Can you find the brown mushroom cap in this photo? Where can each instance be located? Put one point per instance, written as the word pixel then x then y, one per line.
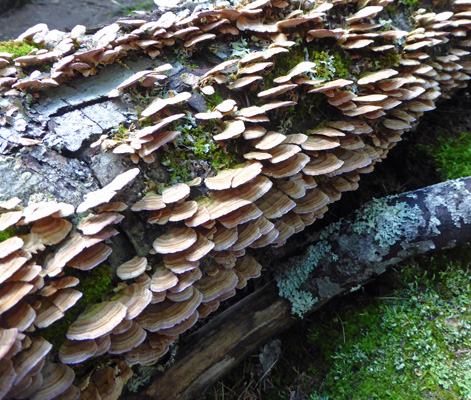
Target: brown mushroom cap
pixel 77 351
pixel 65 298
pixel 47 314
pixel 249 267
pixel 9 246
pixel 11 293
pixel 212 287
pixel 301 68
pixel 288 167
pixel 126 341
pixel 91 257
pixel 175 193
pixel 186 279
pixel 144 354
pixel 25 361
pixel 8 376
pixel 176 240
pixel 135 298
pixel 132 268
pixel 240 216
pixel 14 201
pixel 9 219
pixel 93 224
pixel 199 249
pixel 51 230
pixel 105 194
pixel 314 200
pixel 377 76
pixel 20 317
pixel 182 326
pixel 270 140
pixel 275 204
pixel 12 263
pixel 159 103
pixel 231 130
pixel 163 279
pixel 167 314
pixel 7 339
pixel 183 295
pixel 56 379
pixel 178 263
pixel 97 320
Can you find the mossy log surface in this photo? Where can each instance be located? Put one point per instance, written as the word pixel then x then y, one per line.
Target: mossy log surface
pixel 443 215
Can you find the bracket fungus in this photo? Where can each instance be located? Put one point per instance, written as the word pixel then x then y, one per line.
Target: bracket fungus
pixel 204 236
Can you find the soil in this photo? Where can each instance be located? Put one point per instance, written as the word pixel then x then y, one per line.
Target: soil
pixel 63 15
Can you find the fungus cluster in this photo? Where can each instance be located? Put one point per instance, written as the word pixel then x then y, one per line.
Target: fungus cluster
pixel 36 291
pixel 212 224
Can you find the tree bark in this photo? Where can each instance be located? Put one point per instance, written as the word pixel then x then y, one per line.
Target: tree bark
pixel 442 215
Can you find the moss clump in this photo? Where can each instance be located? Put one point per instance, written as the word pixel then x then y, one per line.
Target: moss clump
pixel 18 49
pixel 7 233
pixel 412 344
pixel 195 152
pixel 120 133
pixel 410 5
pixel 452 153
pixel 330 66
pixel 95 286
pixel 213 100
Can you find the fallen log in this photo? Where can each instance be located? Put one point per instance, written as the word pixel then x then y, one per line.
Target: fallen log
pixel 383 233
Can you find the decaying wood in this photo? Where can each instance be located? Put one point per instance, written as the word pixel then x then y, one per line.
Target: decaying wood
pixel 443 221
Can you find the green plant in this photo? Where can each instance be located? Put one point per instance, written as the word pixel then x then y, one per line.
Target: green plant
pixel 410 5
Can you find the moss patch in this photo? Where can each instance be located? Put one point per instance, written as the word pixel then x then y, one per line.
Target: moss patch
pixel 412 345
pixel 452 153
pixel 95 286
pixel 195 153
pixel 18 49
pixel 7 233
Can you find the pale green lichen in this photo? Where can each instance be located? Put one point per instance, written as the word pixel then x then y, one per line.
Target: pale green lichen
pixel 290 282
pixel 388 222
pixel 439 199
pixel 377 226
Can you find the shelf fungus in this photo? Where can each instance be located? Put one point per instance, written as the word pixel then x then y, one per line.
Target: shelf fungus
pixel 260 164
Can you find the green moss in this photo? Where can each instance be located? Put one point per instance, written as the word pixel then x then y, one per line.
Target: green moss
pixel 18 49
pixel 452 153
pixel 410 345
pixel 7 233
pixel 120 133
pixel 95 285
pixel 330 66
pixel 410 5
pixel 195 152
pixel 213 100
pixel 386 60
